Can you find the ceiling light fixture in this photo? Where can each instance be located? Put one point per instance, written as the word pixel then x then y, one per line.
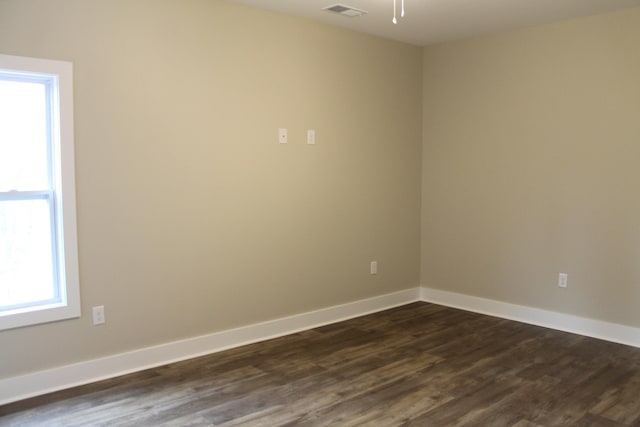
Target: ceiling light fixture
pixel 394 20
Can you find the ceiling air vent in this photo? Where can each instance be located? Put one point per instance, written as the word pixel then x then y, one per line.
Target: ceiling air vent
pixel 344 10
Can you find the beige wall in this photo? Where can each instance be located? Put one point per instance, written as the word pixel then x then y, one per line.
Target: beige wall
pixel 191 217
pixel 531 166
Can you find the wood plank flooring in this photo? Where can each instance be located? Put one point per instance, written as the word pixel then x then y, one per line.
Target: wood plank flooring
pixel 416 365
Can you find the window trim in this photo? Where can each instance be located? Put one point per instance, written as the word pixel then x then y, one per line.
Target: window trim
pixel 63 179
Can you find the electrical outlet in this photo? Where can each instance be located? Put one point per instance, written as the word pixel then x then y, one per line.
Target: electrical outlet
pixel 311 136
pixel 373 268
pixel 282 135
pixel 98 315
pixel 563 278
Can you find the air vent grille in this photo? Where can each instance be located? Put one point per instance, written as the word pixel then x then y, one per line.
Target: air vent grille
pixel 345 10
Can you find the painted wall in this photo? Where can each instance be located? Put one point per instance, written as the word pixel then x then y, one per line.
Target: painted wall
pixel 531 167
pixel 191 217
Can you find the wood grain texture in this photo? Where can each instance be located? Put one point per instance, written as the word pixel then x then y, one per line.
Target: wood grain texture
pixel 416 365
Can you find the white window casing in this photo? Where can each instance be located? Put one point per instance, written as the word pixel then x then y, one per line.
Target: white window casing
pixel 57 78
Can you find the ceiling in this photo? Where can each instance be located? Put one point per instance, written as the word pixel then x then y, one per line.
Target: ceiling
pixel 433 21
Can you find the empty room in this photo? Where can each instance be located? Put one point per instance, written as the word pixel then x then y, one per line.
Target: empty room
pixel 309 213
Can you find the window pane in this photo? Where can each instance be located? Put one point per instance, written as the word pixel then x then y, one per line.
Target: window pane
pixel 26 267
pixel 23 136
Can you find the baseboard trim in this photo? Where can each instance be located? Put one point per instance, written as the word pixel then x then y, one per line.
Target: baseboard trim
pixel 42 382
pixel 37 383
pixel 563 322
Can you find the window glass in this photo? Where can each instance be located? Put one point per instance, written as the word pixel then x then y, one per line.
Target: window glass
pixel 26 262
pixel 23 136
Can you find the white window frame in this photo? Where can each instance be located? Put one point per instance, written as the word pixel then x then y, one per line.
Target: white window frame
pixel 58 76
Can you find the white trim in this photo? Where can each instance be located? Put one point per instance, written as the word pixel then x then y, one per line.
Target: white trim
pixel 58 77
pixel 550 319
pixel 41 382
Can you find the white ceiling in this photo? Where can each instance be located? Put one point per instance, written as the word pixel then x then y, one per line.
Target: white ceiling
pixel 432 21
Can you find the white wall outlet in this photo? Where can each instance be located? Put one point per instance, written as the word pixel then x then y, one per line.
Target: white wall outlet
pixel 98 315
pixel 373 268
pixel 311 136
pixel 282 135
pixel 563 279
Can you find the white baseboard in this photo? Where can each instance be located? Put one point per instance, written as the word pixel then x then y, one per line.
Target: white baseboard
pixel 563 322
pixel 42 382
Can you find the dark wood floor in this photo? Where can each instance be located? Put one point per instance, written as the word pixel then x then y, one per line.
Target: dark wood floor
pixel 420 365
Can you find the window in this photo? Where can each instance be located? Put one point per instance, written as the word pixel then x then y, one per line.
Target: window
pixel 38 244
